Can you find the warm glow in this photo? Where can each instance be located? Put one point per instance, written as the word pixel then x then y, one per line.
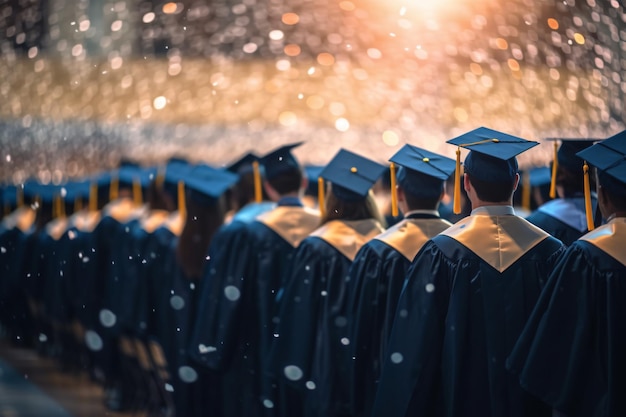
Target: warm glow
pixel 325 59
pixel 170 8
pixel 347 6
pixel 290 18
pixel 579 38
pixel 553 24
pixel 292 49
pixel 502 43
pixel 287 118
pixel 390 138
pixel 513 64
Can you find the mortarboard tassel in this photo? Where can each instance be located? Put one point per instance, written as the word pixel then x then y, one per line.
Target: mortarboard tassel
pixel 61 206
pixel 55 207
pixel 182 207
pixel 160 178
pixel 457 183
pixel 258 194
pixel 526 191
pixel 78 204
pixel 394 192
pixel 20 196
pixel 320 196
pixel 93 197
pixel 587 188
pixel 137 196
pixel 114 188
pixel 555 165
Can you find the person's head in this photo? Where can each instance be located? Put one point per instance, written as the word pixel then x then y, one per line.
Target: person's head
pixel 283 173
pixel 204 211
pixel 609 159
pixel 491 170
pixel 351 178
pixel 421 178
pixel 569 178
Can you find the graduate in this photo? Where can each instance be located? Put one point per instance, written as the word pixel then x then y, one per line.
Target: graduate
pixel 378 271
pixel 239 327
pixel 572 353
pixel 564 217
pixel 468 294
pixel 174 286
pixel 311 345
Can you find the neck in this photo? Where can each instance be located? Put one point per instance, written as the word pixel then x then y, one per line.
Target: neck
pixel 616 215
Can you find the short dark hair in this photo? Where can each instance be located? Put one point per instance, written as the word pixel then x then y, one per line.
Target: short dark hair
pixel 287 182
pixel 616 191
pixel 493 192
pixel 420 203
pixel 338 209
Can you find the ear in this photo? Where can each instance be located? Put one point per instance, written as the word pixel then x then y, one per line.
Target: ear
pixel 517 177
pixel 467 185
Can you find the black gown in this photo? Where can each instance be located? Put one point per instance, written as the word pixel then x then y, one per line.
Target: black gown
pixel 235 338
pixel 572 353
pixel 311 348
pixel 563 218
pixel 376 279
pixel 466 300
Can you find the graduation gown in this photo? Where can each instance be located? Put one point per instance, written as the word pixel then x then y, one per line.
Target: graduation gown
pixel 563 218
pixel 376 279
pixel 572 353
pixel 467 296
pixel 240 330
pixel 311 350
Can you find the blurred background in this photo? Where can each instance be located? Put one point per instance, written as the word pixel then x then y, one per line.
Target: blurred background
pixel 86 83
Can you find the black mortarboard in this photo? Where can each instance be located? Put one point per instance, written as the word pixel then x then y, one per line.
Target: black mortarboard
pixel 567 150
pixel 243 164
pixel 609 158
pixel 491 158
pixel 422 173
pixel 279 161
pixel 312 173
pixel 492 153
pixel 207 184
pixel 351 175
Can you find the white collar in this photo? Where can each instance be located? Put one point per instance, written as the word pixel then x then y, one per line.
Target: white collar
pixel 503 210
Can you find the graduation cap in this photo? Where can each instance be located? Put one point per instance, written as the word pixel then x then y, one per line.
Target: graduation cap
pixel 609 158
pixel 246 164
pixel 351 175
pixel 205 183
pixel 491 158
pixel 422 173
pixel 565 156
pixel 312 173
pixel 279 161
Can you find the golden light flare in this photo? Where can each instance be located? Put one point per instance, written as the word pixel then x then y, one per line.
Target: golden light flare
pixel 579 38
pixel 290 18
pixel 315 102
pixel 476 68
pixel 502 43
pixel 390 138
pixel 513 64
pixel 287 118
pixel 325 59
pixel 170 8
pixel 553 24
pixel 348 6
pixel 292 49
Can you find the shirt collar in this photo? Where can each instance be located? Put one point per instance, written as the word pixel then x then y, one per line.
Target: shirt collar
pixel 411 213
pixel 494 211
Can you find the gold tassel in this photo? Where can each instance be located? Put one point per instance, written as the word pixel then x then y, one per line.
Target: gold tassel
pixel 182 207
pixel 78 204
pixel 20 196
pixel 526 191
pixel 587 188
pixel 93 197
pixel 258 193
pixel 137 196
pixel 320 196
pixel 160 178
pixel 394 192
pixel 555 165
pixel 114 188
pixel 61 206
pixel 456 209
pixel 55 207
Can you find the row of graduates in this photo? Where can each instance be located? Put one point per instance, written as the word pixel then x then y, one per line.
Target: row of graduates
pixel 284 317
